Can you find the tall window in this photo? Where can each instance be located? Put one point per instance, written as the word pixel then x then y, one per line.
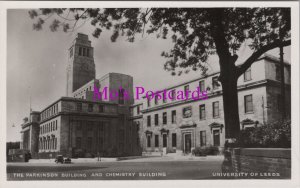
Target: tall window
pixel 248 103
pixel 138 110
pixel 165 118
pixel 80 51
pixel 89 142
pixel 215 82
pixel 101 108
pixel 156 99
pixel 202 85
pixel 90 125
pixel 55 143
pixel 186 91
pixel 173 116
pixel 148 141
pixel 78 142
pixel 156 119
pixel 148 102
pixel 202 111
pixel 277 72
pixel 79 107
pixel 148 121
pixel 174 141
pixel 87 52
pixel 78 126
pixel 90 107
pixel 121 135
pixel 173 93
pixel 216 109
pixel 247 75
pixel 121 96
pixel 101 123
pixel 84 51
pixel 202 138
pixel 164 97
pixel 156 141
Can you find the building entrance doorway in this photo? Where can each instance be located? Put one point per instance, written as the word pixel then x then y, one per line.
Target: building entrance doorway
pixel 187 143
pixel 164 140
pixel 216 135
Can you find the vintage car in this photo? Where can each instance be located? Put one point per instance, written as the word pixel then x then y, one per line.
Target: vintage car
pixel 61 159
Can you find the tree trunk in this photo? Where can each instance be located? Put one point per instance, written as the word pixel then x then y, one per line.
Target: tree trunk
pixel 230 102
pixel 228 74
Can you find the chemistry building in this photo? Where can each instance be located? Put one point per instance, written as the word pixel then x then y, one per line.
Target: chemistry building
pixel 182 125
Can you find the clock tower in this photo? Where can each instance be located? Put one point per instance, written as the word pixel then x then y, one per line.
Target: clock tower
pixel 81 66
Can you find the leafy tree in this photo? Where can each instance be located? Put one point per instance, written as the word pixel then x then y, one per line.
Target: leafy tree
pixel 197 33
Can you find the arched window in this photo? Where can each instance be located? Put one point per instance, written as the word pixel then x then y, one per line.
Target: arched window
pixel 80 51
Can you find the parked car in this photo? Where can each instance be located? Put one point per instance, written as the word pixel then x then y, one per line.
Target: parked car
pixel 61 159
pixel 67 160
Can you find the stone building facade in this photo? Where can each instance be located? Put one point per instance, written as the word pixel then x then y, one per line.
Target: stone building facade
pixel 30 132
pixel 182 125
pixel 84 128
pixel 80 125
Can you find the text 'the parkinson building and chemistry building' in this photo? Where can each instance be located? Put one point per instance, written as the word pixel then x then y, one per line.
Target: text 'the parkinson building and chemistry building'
pixel 79 126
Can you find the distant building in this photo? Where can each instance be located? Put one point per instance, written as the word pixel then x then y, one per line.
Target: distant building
pixel 182 125
pixel 78 125
pixel 11 146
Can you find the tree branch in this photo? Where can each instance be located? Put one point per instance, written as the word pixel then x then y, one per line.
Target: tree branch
pixel 242 68
pixel 78 19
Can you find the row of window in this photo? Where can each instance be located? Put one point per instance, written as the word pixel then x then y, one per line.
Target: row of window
pixel 215 85
pixel 187 112
pixel 164 137
pixel 48 127
pixel 49 112
pixel 90 107
pixel 186 89
pixel 216 139
pixel 83 51
pixel 82 91
pixel 48 144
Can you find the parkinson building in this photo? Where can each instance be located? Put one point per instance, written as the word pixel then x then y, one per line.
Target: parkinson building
pixel 182 125
pixel 77 125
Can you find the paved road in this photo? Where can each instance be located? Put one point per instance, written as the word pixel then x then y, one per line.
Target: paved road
pixel 115 170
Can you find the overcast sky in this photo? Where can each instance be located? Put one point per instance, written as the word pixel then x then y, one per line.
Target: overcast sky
pixel 37 60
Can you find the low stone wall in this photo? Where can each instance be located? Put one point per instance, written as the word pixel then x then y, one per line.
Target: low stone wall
pixel 266 162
